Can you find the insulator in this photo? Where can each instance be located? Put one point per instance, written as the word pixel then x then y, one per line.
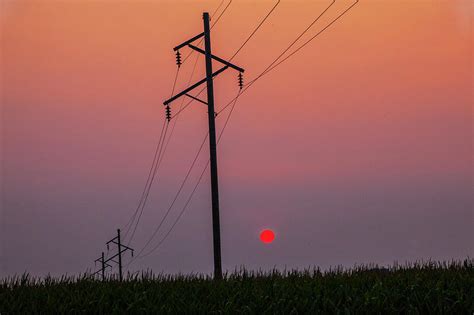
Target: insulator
pixel 241 80
pixel 132 253
pixel 168 113
pixel 178 58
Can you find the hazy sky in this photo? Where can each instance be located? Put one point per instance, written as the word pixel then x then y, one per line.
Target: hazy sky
pixel 357 149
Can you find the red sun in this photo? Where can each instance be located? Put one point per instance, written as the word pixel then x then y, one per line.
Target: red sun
pixel 267 236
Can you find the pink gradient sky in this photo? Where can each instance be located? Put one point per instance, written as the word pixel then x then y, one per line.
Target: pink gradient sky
pixel 357 149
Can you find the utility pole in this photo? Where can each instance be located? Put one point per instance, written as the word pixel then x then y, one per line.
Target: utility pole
pixel 212 127
pixel 103 265
pixel 120 250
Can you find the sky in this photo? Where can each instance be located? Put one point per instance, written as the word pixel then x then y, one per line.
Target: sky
pixel 356 150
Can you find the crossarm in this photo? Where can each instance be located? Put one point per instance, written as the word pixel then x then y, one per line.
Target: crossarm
pixel 217 58
pixel 193 86
pixel 188 41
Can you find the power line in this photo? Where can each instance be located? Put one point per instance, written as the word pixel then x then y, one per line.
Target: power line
pixel 194 189
pixel 132 218
pixel 182 102
pixel 308 41
pixel 154 167
pixel 217 9
pixel 274 64
pixel 212 26
pixel 235 54
pixel 255 30
pixel 222 13
pixel 139 255
pixel 175 197
pixel 175 120
pixel 149 187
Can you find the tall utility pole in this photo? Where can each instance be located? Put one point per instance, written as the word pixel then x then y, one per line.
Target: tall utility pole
pixel 212 126
pixel 216 230
pixel 120 250
pixel 103 265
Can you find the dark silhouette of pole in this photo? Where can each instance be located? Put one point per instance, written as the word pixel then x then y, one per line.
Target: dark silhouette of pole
pixel 216 232
pixel 120 250
pixel 119 247
pixel 212 126
pixel 103 266
pixel 102 260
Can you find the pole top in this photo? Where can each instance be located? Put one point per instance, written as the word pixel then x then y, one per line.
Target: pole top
pixel 205 14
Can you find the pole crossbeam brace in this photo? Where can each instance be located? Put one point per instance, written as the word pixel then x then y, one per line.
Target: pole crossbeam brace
pixel 217 58
pixel 195 98
pixel 195 85
pixel 112 240
pixel 107 265
pixel 117 255
pixel 100 260
pixel 188 41
pixel 121 245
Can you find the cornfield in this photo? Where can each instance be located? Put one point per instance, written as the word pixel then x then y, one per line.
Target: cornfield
pixel 430 287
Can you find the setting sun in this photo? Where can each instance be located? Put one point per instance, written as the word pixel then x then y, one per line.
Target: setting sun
pixel 267 236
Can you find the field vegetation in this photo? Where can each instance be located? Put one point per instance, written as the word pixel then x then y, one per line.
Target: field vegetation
pixel 428 288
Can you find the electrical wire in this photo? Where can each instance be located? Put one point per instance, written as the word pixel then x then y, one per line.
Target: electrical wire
pixel 192 192
pixel 255 30
pixel 212 26
pixel 309 40
pixel 275 63
pixel 155 166
pixel 154 161
pixel 236 52
pixel 148 191
pixel 132 218
pixel 182 102
pixel 217 9
pixel 175 120
pixel 175 197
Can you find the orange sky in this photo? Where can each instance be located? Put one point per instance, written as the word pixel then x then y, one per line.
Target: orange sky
pixel 382 99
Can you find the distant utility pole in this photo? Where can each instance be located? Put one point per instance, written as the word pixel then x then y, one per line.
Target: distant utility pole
pixel 120 249
pixel 103 265
pixel 212 126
